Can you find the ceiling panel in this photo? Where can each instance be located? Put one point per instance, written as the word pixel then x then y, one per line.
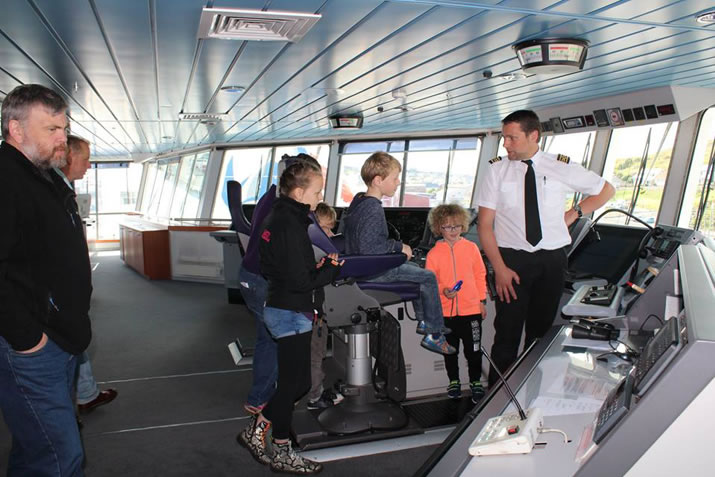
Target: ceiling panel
pixel 129 68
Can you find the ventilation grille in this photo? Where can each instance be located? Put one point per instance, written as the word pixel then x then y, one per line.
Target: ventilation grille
pixel 212 117
pixel 254 25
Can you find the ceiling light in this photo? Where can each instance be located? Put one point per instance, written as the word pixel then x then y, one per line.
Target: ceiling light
pixel 256 25
pixel 706 18
pixel 346 121
pixel 512 76
pixel 551 56
pixel 233 89
pixel 203 116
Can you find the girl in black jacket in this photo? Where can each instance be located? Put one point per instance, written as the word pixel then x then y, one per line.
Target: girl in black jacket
pixel 295 298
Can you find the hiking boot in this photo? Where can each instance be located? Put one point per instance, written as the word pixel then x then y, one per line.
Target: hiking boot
pixel 255 438
pixel 454 390
pixel 437 345
pixel 477 391
pixel 422 329
pixel 286 460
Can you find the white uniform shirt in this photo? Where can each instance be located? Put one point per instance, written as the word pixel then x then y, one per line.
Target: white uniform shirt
pixel 502 190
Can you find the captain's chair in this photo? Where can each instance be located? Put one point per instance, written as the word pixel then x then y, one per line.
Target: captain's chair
pixel 239 222
pixel 354 304
pixel 263 208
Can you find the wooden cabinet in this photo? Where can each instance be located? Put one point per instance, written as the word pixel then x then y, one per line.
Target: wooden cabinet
pixel 144 246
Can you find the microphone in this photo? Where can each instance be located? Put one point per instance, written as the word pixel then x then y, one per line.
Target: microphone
pixel 513 433
pixel 522 414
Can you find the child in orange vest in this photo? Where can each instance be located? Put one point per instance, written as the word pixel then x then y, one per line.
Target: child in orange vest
pixel 456 260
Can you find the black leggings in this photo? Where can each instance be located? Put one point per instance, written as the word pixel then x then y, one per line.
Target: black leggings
pixel 468 329
pixel 293 382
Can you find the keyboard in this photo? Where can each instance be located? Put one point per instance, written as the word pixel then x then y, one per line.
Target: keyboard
pixel 616 405
pixel 658 352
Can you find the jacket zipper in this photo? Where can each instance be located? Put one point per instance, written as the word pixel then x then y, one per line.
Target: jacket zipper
pixel 454 274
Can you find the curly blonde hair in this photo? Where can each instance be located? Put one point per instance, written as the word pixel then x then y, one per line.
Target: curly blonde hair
pixel 439 215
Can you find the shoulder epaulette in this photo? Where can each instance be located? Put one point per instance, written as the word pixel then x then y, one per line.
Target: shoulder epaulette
pixel 562 158
pixel 496 159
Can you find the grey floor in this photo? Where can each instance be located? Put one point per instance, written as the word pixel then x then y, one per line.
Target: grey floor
pixel 162 345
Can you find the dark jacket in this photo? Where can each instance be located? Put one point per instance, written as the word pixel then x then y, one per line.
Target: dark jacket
pixel 45 276
pixel 366 228
pixel 288 261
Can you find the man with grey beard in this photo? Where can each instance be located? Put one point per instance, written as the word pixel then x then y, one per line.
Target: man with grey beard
pixel 45 287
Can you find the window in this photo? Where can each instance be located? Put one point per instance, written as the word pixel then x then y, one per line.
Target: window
pixel 698 207
pixel 167 192
pixel 114 188
pixel 250 167
pixel 148 185
pixel 320 152
pixel 153 205
pixel 637 165
pixel 426 175
pixel 578 146
pixel 463 172
pixel 182 185
pixel 196 186
pixel 352 157
pixel 435 171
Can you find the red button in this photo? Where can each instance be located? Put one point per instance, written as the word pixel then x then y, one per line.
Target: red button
pixel 512 430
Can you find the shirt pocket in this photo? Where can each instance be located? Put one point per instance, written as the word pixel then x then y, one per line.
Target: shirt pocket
pixel 508 194
pixel 554 195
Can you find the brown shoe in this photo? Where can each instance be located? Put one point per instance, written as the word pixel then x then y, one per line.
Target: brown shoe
pixel 104 397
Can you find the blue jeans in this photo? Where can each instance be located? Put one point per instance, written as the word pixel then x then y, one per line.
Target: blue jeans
pixel 36 399
pixel 254 289
pixel 87 390
pixel 428 307
pixel 282 323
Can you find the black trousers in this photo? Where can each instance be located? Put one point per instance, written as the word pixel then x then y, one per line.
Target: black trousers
pixel 468 330
pixel 542 275
pixel 293 382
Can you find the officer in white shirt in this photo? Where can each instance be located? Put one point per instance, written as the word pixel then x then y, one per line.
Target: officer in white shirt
pixel 523 230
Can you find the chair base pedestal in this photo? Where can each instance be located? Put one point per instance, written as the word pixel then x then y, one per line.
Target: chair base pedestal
pixel 361 413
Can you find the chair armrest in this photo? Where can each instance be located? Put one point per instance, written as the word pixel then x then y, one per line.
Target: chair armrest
pixel 360 266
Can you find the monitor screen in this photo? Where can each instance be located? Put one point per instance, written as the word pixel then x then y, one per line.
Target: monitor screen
pixel 409 222
pixel 607 252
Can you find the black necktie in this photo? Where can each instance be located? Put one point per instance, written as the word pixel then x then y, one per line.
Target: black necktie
pixel 531 206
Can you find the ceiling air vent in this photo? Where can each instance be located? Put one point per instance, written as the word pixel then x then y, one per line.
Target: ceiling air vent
pixel 202 116
pixel 256 25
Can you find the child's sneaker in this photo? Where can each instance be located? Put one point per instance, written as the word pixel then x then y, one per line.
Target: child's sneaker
pixel 334 396
pixel 477 391
pixel 454 390
pixel 422 329
pixel 437 345
pixel 324 401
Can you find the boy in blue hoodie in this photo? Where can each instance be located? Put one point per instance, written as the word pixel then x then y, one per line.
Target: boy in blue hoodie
pixel 366 234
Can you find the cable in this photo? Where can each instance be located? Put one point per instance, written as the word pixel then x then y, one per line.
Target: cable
pixel 652 315
pixel 615 348
pixel 544 430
